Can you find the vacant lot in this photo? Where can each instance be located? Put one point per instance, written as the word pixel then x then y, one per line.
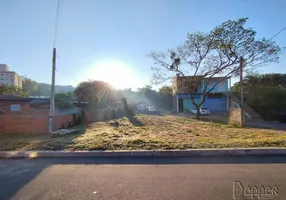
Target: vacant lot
pixel 149 132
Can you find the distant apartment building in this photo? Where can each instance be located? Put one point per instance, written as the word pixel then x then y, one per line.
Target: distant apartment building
pixel 9 77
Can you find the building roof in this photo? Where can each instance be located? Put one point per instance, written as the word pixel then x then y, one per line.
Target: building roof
pixel 38 102
pixel 5 72
pixel 215 77
pixel 12 98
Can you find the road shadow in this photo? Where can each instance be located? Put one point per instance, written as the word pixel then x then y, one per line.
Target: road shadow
pixel 16 173
pixel 164 160
pixel 175 160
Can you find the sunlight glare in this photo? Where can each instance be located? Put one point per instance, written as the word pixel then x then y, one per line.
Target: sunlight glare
pixel 116 73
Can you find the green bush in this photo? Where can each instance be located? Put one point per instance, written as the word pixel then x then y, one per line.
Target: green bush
pixel 63 104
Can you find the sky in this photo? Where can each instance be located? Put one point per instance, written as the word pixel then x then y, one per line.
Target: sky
pixel 109 40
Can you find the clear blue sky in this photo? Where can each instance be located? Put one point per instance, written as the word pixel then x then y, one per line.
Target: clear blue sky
pixel 97 34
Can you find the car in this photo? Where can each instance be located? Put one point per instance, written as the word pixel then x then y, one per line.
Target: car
pixel 142 108
pixel 203 111
pixel 151 109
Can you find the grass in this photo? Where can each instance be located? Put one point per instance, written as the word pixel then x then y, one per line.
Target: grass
pixel 154 132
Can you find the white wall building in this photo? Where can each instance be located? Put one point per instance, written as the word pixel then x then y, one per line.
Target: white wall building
pixel 9 77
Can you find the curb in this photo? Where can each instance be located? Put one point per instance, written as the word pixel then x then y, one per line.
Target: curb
pixel 145 153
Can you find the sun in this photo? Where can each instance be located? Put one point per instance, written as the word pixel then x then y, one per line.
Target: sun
pixel 116 73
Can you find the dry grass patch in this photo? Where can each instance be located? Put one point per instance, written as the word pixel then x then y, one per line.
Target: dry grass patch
pixel 156 132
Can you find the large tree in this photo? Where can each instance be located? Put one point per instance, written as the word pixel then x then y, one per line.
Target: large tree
pixel 98 94
pixel 207 55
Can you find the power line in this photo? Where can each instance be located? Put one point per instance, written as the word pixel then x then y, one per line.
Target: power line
pixel 277 33
pixel 78 75
pixel 56 23
pixel 72 74
pixel 68 76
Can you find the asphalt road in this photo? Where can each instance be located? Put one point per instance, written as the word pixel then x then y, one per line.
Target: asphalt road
pixel 212 178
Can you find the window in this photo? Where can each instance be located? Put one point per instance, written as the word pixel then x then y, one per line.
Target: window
pixel 15 107
pixel 194 89
pixel 214 95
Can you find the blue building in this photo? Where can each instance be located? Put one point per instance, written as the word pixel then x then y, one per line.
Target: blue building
pixel 216 100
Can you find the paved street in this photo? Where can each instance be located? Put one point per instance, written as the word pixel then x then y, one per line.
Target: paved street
pixel 139 178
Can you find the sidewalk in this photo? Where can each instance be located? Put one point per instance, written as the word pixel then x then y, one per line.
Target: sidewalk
pixel 146 153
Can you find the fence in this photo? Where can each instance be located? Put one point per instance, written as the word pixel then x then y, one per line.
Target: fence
pixel 97 115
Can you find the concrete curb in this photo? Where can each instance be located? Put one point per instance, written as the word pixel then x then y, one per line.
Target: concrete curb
pixel 145 153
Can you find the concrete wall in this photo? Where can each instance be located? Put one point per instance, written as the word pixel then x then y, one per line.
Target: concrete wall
pixel 220 87
pixel 235 116
pixel 175 103
pixel 181 85
pixel 62 121
pixel 97 115
pixel 20 82
pixel 213 104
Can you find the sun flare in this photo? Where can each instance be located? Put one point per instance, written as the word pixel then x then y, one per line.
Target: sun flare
pixel 116 73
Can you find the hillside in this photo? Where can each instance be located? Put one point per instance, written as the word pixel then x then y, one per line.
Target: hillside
pixel 44 89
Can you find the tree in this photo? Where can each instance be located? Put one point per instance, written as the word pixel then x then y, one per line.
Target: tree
pixel 149 93
pixel 206 55
pixel 265 93
pixel 64 100
pixel 166 97
pixel 146 90
pixel 29 85
pixel 62 95
pixel 165 90
pixel 98 94
pixel 12 90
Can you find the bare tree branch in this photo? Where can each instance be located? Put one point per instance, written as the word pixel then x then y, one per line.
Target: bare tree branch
pixel 207 55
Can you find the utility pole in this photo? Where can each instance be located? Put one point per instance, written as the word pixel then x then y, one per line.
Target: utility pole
pixel 52 100
pixel 229 97
pixel 241 93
